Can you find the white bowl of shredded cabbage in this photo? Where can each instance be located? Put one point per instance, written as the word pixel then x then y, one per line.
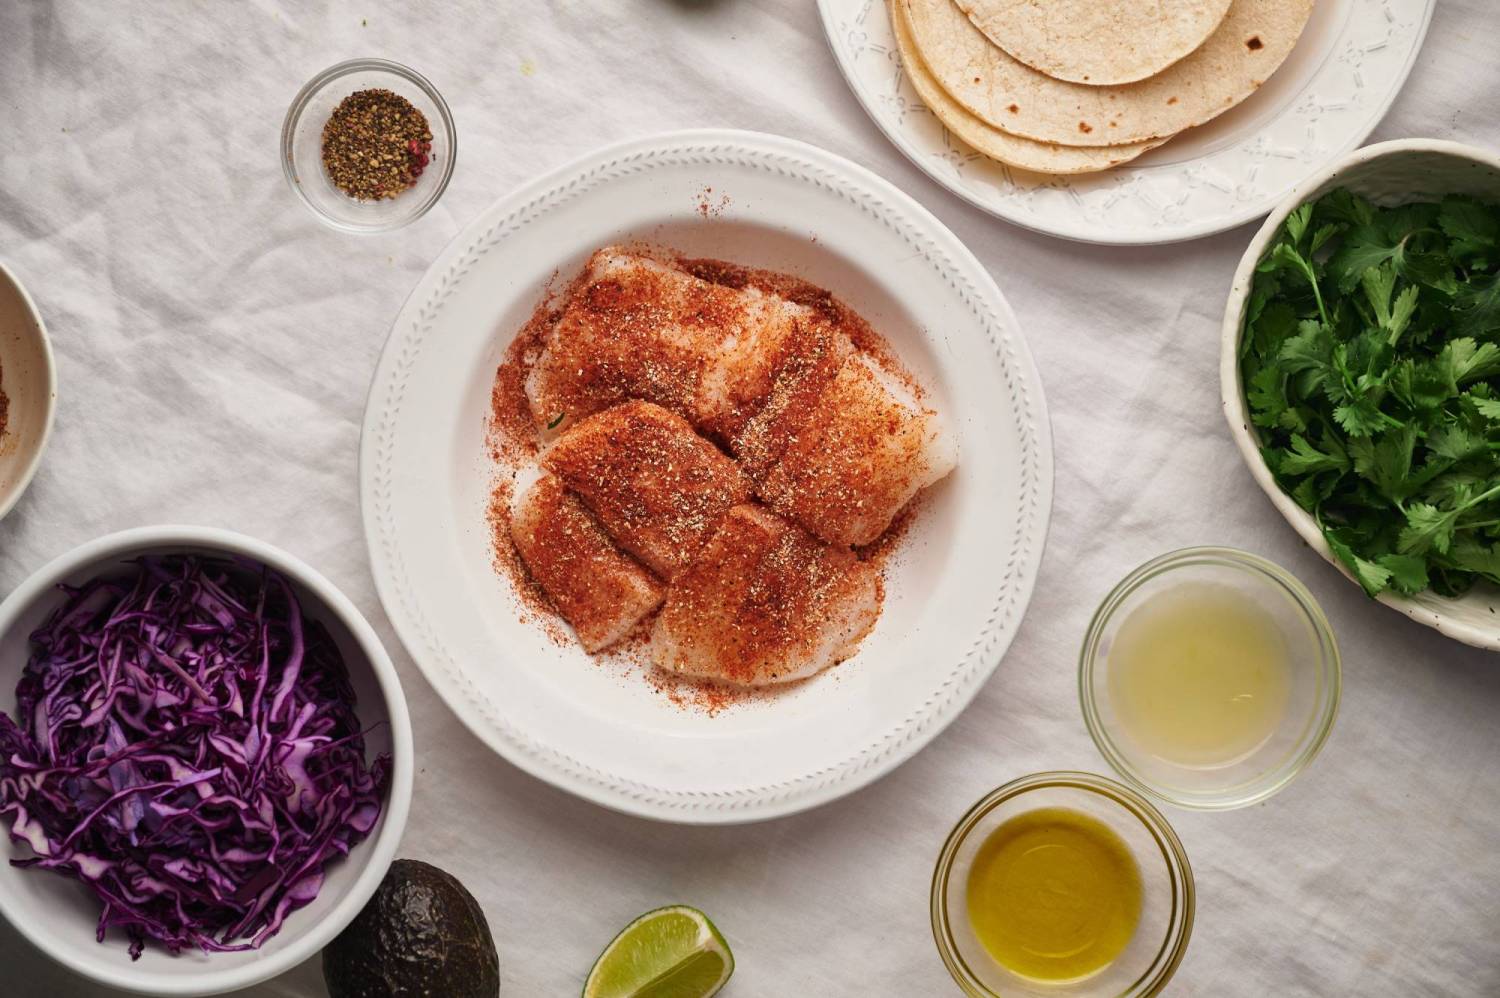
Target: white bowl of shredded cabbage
pixel 234 792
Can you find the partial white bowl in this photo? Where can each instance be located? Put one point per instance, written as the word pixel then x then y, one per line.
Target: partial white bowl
pixel 59 916
pixel 29 379
pixel 1387 173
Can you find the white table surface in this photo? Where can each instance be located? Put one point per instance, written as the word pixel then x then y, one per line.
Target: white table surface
pixel 215 343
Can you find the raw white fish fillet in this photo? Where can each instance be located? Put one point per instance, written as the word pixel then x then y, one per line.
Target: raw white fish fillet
pixel 764 602
pixel 656 486
pixel 858 456
pixel 775 382
pixel 635 327
pixel 600 591
pixel 783 351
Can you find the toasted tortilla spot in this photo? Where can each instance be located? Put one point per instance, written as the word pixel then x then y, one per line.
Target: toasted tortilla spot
pixel 1255 44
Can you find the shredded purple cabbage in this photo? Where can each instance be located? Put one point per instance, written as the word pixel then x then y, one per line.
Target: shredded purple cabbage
pixel 185 744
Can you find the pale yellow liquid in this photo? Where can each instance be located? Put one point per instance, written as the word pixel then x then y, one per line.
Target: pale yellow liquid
pixel 1199 676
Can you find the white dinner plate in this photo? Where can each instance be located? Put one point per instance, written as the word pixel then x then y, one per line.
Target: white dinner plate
pixel 956 588
pixel 1325 99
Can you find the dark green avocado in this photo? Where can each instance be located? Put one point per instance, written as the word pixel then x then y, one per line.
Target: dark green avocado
pixel 421 936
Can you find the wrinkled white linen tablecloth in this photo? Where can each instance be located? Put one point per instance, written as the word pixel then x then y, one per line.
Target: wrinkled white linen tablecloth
pixel 215 343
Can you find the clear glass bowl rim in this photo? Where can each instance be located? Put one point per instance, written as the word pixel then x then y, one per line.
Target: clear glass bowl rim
pixel 1184 893
pixel 1270 572
pixel 345 68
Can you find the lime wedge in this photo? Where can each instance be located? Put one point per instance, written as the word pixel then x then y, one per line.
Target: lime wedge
pixel 671 952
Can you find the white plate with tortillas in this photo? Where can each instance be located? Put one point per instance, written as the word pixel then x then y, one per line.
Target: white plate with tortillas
pixel 1133 122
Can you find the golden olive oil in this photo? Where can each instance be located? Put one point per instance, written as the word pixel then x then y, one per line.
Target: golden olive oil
pixel 1199 676
pixel 1054 895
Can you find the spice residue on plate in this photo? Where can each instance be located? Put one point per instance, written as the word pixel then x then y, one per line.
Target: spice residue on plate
pixel 706 206
pixel 730 449
pixel 4 404
pixel 375 145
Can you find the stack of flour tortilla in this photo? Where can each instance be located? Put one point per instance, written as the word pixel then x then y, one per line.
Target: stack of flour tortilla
pixel 1075 86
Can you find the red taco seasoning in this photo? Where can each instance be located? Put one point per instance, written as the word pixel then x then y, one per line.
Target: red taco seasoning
pixel 4 403
pixel 375 145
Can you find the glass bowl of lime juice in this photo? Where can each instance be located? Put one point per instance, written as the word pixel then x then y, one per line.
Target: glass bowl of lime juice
pixel 1209 678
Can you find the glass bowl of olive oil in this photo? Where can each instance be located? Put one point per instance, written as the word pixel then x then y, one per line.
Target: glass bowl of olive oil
pixel 1066 885
pixel 1210 678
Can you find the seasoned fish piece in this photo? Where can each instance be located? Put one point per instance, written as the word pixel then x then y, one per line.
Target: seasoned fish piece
pixel 632 328
pixel 637 328
pixel 782 349
pixel 656 486
pixel 859 456
pixel 778 388
pixel 596 588
pixel 764 602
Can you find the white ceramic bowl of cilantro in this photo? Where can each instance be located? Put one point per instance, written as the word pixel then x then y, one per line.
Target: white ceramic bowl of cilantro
pixel 59 916
pixel 1388 173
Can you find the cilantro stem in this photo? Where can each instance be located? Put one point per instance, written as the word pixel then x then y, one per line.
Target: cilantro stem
pixel 1491 491
pixel 1318 295
pixel 1479 525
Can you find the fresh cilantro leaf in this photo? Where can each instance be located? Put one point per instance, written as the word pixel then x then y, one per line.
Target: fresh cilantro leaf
pixel 1477 307
pixel 1298 221
pixel 1432 269
pixel 1386 462
pixel 1472 556
pixel 1364 248
pixel 1408 572
pixel 1372 578
pixel 1309 495
pixel 1401 314
pixel 1427 529
pixel 1346 207
pixel 1378 284
pixel 1399 237
pixel 1488 408
pixel 1304 458
pixel 1266 393
pixel 1311 349
pixel 1321 237
pixel 1424 385
pixel 1361 416
pixel 1473 228
pixel 1449 487
pixel 1456 443
pixel 1464 360
pixel 1286 258
pixel 1271 328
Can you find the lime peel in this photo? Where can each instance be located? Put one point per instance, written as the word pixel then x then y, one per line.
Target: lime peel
pixel 671 952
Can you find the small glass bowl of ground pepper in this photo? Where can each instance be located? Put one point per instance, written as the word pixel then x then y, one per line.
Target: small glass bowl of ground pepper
pixel 368 145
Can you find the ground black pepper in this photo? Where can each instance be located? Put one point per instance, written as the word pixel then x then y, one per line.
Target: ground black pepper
pixel 375 145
